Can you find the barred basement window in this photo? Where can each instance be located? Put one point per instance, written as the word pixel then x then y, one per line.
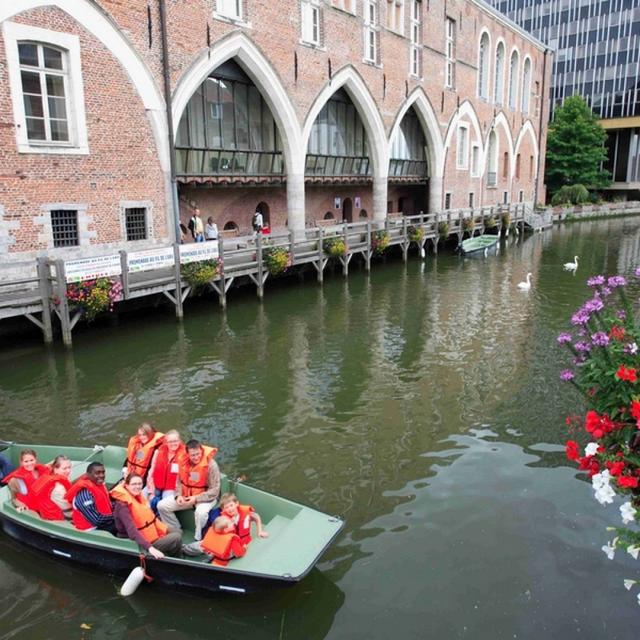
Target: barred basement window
pixel 471 200
pixel 64 225
pixel 136 223
pixel 447 201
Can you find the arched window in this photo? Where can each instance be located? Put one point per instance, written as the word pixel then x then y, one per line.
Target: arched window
pixel 526 85
pixel 483 67
pixel 230 226
pixel 363 213
pixel 505 165
pixel 498 84
pixel 329 216
pixel 492 159
pixel 408 157
pixel 513 80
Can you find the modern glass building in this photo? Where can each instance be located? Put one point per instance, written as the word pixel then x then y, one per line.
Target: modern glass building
pixel 597 55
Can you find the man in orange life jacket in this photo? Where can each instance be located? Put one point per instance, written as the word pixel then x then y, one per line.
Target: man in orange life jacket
pixel 197 487
pixel 90 501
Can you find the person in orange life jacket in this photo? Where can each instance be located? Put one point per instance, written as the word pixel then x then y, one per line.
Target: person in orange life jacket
pixel 49 491
pixel 197 487
pixel 163 473
pixel 21 481
pixel 90 502
pixel 235 524
pixel 140 450
pixel 135 520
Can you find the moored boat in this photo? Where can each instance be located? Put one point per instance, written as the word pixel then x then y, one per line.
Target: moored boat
pixel 298 535
pixel 479 245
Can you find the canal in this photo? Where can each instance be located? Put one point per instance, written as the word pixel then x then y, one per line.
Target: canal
pixel 420 402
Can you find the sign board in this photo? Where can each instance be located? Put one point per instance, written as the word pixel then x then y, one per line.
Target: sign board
pixel 150 259
pixel 199 251
pixel 91 268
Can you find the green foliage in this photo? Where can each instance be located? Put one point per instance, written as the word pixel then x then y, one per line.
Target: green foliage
pixel 570 194
pixel 467 224
pixel 334 247
pixel 443 230
pixel 93 297
pixel 379 242
pixel 575 147
pixel 506 219
pixel 415 234
pixel 276 259
pixel 199 274
pixel 490 223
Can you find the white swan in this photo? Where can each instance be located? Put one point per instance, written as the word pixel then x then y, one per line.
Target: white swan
pixel 525 286
pixel 571 266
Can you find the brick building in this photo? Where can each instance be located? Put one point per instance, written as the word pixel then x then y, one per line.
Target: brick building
pixel 304 109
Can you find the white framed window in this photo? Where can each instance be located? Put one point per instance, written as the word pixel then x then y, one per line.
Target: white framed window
pixel 483 67
pixel 371 31
pixel 311 21
pixel 475 161
pixel 450 53
pixel 462 153
pixel 498 83
pixel 395 15
pixel 513 80
pixel 230 9
pixel 47 92
pixel 526 86
pixel 345 5
pixel 415 49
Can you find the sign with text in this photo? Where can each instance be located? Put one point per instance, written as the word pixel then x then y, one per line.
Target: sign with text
pixel 91 268
pixel 150 259
pixel 199 251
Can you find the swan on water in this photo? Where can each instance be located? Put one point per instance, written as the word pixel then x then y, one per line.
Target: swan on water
pixel 525 285
pixel 571 266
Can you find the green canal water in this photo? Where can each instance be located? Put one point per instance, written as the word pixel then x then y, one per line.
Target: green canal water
pixel 420 402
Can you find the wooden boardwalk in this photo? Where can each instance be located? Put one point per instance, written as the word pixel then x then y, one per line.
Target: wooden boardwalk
pixel 41 299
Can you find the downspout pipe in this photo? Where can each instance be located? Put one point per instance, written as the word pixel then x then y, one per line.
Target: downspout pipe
pixel 540 123
pixel 168 102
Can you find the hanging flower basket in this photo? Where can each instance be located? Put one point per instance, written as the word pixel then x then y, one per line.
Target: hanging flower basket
pixel 335 247
pixel 94 297
pixel 467 224
pixel 415 234
pixel 506 219
pixel 199 274
pixel 606 371
pixel 490 223
pixel 443 230
pixel 379 242
pixel 276 259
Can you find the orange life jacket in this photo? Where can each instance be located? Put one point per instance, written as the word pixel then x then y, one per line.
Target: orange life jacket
pixel 29 480
pixel 139 455
pixel 222 546
pixel 193 477
pixel 164 478
pixel 143 517
pixel 100 497
pixel 243 528
pixel 42 489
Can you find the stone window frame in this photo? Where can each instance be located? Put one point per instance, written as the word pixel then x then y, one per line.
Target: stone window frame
pixel 475 166
pixel 462 163
pixel 84 235
pixel 147 205
pixel 240 20
pixel 13 33
pixel 307 7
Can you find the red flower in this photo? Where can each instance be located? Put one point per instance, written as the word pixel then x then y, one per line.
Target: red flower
pixel 615 468
pixel 628 374
pixel 635 409
pixel 628 482
pixel 617 333
pixel 572 450
pixel 598 426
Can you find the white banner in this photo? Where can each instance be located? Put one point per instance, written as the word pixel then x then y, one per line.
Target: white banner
pixel 91 268
pixel 199 251
pixel 150 259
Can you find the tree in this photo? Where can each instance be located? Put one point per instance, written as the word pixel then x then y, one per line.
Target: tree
pixel 575 147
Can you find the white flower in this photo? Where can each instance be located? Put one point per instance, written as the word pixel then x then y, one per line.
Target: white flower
pixel 605 494
pixel 639 598
pixel 633 551
pixel 601 479
pixel 609 550
pixel 591 449
pixel 627 512
pixel 629 583
pixel 632 348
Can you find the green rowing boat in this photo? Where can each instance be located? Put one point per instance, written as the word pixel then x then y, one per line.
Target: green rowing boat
pixel 479 244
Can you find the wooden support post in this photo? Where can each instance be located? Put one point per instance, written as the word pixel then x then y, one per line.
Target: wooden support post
pixel 292 248
pixel 260 283
pixel 45 294
pixel 222 295
pixel 345 261
pixel 368 254
pixel 320 268
pixel 405 239
pixel 63 304
pixel 124 278
pixel 178 282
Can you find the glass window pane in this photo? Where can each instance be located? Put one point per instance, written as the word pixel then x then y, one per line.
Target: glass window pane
pixel 30 82
pixel 242 120
pixel 196 120
pixel 55 85
pixel 33 106
pixel 59 130
pixel 28 54
pixel 226 102
pixel 212 113
pixel 35 129
pixel 52 58
pixel 267 130
pixel 182 139
pixel 255 123
pixel 57 108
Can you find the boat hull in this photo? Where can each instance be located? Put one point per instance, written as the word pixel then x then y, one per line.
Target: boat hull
pixel 480 246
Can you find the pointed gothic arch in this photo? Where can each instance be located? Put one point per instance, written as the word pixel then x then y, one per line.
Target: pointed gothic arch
pixel 501 121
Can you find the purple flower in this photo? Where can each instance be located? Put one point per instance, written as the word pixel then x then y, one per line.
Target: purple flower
pixel 563 338
pixel 638 272
pixel 583 347
pixel 596 281
pixel 567 375
pixel 595 304
pixel 616 281
pixel 600 339
pixel 580 317
pixel 621 315
pixel 605 291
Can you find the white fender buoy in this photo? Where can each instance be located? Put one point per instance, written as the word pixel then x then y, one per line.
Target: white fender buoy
pixel 423 253
pixel 132 582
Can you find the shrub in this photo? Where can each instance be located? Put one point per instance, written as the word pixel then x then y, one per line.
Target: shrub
pixel 335 247
pixel 443 230
pixel 570 194
pixel 467 224
pixel 199 274
pixel 276 259
pixel 94 297
pixel 379 242
pixel 415 234
pixel 490 223
pixel 506 219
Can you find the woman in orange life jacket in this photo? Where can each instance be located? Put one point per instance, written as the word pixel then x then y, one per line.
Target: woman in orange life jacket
pixel 140 450
pixel 49 491
pixel 135 520
pixel 165 466
pixel 21 481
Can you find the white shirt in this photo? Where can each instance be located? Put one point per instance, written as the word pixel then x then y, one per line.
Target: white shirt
pixel 211 231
